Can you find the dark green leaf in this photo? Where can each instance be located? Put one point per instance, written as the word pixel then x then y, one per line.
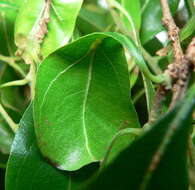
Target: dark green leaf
pixel 122 139
pixel 93 19
pixel 151 18
pixel 149 91
pixel 82 99
pixel 157 159
pixel 3 160
pixel 27 169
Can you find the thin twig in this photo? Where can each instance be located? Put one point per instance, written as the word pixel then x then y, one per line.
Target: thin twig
pixel 8 119
pixel 11 62
pixel 21 82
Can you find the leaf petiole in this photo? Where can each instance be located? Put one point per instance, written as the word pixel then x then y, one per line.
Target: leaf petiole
pixel 11 62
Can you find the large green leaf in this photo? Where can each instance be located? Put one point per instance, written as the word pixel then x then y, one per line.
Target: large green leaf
pixel 49 23
pixel 151 18
pixel 82 99
pixel 27 169
pixel 157 159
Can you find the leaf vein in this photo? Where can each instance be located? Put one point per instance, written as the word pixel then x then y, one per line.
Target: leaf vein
pixel 84 107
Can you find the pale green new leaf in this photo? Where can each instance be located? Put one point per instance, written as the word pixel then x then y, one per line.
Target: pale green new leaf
pixel 46 23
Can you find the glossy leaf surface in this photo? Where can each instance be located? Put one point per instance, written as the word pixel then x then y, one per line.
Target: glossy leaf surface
pixel 157 159
pixel 82 99
pixel 27 169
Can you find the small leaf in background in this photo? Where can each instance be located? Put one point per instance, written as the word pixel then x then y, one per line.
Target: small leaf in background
pixel 49 23
pixel 6 137
pixel 8 12
pixel 27 169
pixel 149 91
pixel 94 19
pixel 11 97
pixel 135 52
pixel 151 18
pixel 133 8
pixel 3 161
pixel 82 99
pixel 133 23
pixel 157 159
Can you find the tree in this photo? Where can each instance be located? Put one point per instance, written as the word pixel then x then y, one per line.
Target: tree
pixel 97 94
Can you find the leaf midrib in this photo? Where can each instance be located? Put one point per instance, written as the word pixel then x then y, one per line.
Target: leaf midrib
pixel 85 105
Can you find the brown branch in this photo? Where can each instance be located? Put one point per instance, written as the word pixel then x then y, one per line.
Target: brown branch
pixel 173 31
pixel 179 69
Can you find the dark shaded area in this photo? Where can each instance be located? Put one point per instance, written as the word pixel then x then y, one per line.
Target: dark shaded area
pixel 141 104
pixel 2 179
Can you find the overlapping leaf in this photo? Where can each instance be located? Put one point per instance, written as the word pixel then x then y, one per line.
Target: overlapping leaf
pixel 157 159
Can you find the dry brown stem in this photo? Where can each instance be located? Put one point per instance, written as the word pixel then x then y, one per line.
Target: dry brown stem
pixel 179 69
